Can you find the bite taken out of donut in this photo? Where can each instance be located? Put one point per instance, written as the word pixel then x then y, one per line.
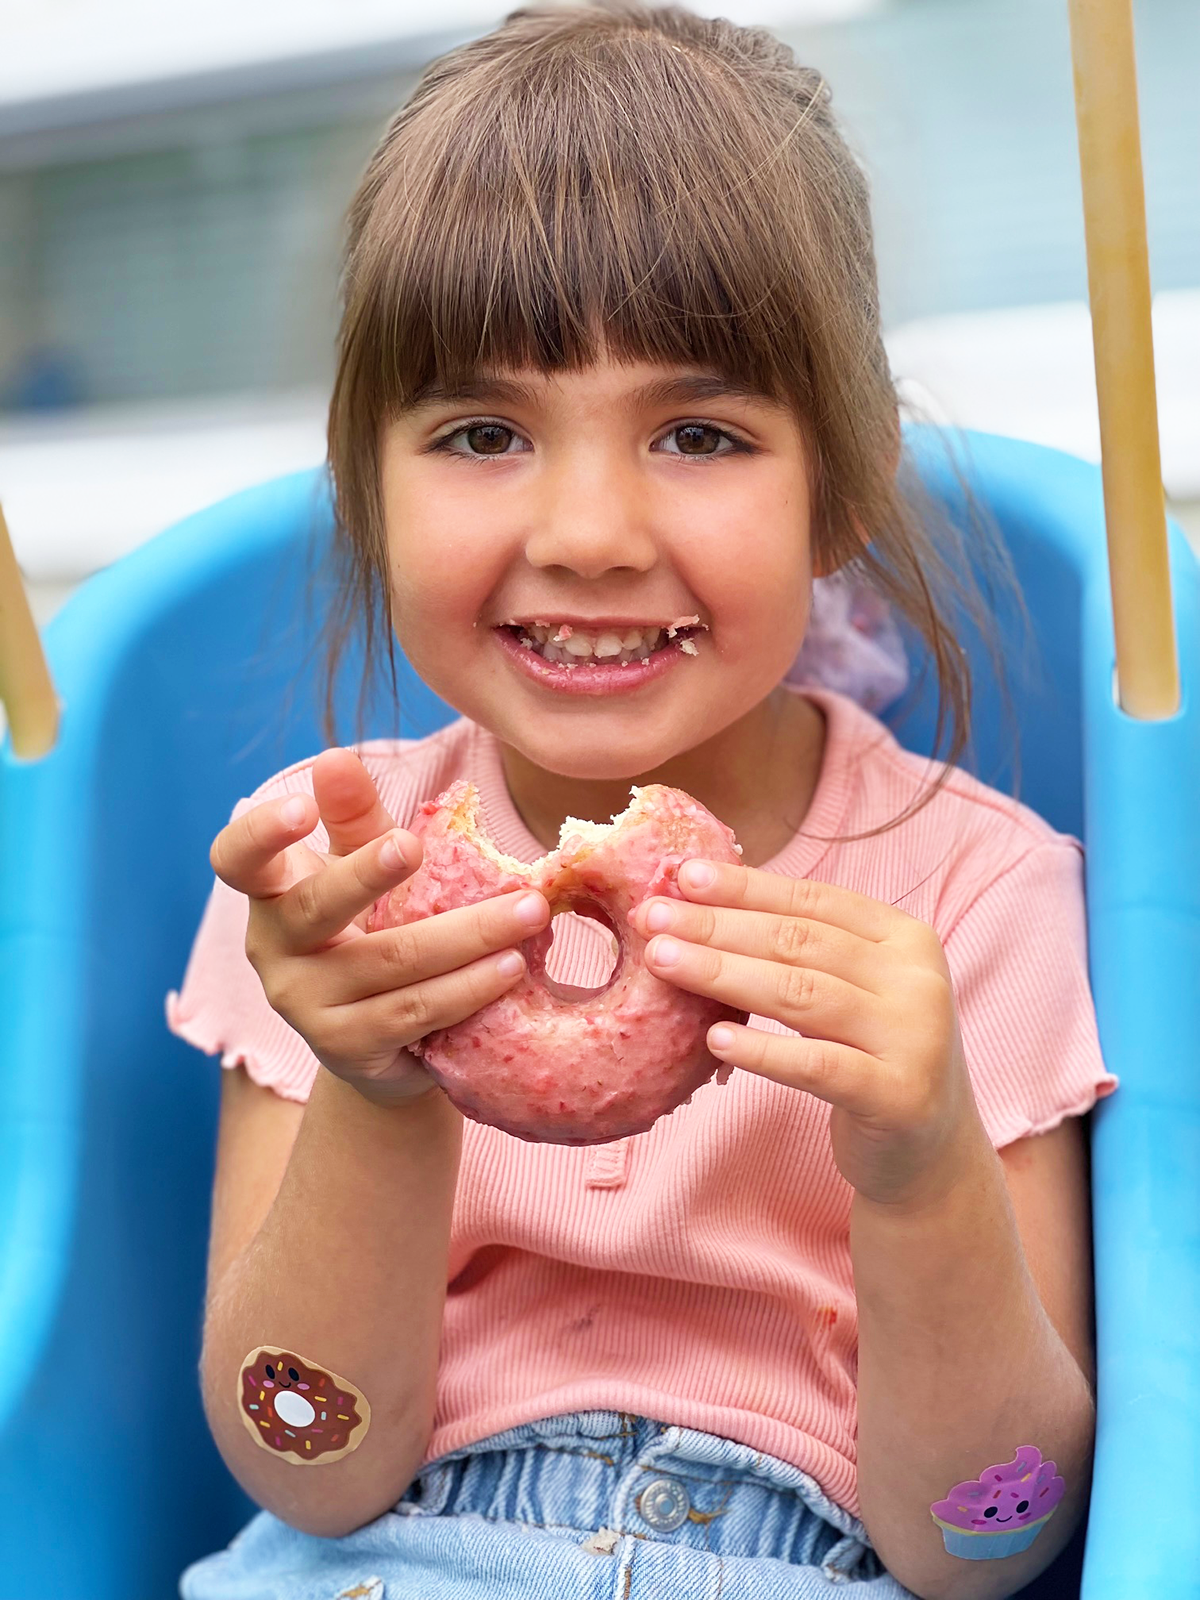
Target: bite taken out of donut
pixel 547 1062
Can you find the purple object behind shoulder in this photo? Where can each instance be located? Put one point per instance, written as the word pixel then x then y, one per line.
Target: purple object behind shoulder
pixel 852 645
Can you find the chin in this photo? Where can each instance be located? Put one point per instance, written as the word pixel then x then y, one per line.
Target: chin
pixel 599 762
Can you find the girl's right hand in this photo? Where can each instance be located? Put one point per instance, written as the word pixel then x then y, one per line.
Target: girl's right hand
pixel 359 999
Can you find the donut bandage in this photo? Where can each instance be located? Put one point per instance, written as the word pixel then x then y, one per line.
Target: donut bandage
pixel 298 1411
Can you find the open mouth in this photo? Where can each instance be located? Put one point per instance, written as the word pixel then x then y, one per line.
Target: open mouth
pixel 571 648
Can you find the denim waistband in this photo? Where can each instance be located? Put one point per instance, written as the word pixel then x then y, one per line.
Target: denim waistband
pixel 628 1475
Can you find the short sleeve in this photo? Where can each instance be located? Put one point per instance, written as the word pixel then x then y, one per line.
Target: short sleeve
pixel 221 1006
pixel 1018 961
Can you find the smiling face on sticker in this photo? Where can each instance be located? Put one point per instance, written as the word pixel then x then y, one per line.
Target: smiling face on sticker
pixel 1005 1506
pixel 299 1411
pixel 1004 1497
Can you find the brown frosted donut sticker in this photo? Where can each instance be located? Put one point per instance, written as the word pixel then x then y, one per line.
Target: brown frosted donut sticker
pixel 298 1411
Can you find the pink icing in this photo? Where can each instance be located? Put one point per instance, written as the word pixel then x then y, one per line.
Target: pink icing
pixel 993 1502
pixel 546 1062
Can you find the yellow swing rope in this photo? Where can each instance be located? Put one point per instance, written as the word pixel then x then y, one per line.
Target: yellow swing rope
pixel 1114 210
pixel 26 688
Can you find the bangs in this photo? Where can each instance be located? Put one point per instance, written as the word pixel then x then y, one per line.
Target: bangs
pixel 613 194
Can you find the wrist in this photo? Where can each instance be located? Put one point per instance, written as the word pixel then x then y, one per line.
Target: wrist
pixel 404 1082
pixel 964 1165
pixel 379 1102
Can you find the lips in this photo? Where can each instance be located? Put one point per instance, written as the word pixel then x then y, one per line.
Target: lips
pixel 550 617
pixel 592 678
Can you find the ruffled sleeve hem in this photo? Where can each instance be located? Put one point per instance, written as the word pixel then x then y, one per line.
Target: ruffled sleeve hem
pixel 290 1078
pixel 1019 963
pixel 1006 1130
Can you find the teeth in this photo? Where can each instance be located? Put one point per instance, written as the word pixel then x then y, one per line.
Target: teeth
pixel 563 643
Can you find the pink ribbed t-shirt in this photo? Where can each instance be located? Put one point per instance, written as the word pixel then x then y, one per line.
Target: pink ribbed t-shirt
pixel 700 1273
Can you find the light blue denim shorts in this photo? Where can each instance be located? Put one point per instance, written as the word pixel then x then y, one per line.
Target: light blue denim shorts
pixel 598 1505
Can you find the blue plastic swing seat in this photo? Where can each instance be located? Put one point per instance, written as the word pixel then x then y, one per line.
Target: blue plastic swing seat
pixel 187 677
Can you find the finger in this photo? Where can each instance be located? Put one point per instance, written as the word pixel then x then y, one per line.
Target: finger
pixel 812 1002
pixel 793 941
pixel 399 1017
pixel 836 1073
pixel 348 801
pixel 252 854
pixel 394 957
pixel 324 903
pixel 749 889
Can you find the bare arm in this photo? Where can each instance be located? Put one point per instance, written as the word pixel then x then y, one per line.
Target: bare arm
pixel 348 1269
pixel 964 1354
pixel 331 1222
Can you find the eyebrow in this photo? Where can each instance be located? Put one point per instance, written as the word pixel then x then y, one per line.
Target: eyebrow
pixel 660 391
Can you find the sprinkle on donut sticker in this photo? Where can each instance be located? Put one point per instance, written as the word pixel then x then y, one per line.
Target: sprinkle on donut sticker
pixel 301 1412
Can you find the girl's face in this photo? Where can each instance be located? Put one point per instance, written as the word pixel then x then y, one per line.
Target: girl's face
pixel 614 499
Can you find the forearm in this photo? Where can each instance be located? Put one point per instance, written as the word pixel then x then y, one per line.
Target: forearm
pixel 958 1365
pixel 348 1270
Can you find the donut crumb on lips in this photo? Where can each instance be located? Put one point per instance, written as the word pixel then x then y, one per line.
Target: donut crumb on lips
pixel 547 1062
pixel 566 631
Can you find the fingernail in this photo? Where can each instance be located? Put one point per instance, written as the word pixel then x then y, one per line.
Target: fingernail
pixel 390 855
pixel 292 812
pixel 698 875
pixel 658 917
pixel 663 952
pixel 509 964
pixel 530 909
pixel 720 1039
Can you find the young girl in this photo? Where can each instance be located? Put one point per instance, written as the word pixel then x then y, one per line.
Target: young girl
pixel 610 356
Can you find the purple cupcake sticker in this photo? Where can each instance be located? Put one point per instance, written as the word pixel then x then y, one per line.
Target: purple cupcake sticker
pixel 1001 1512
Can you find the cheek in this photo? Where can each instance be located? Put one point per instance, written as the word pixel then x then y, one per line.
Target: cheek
pixel 759 563
pixel 434 589
pixel 764 604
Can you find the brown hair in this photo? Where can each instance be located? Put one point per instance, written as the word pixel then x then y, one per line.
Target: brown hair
pixel 680 185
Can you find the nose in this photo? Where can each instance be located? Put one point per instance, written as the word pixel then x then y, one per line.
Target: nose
pixel 592 520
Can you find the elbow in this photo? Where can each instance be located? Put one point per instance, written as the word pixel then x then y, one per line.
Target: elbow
pixel 324 1522
pixel 327 1501
pixel 331 1507
pixel 966 1587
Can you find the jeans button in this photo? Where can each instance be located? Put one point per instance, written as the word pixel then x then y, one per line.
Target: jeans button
pixel 664 1504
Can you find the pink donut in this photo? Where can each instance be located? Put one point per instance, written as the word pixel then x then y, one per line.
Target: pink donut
pixel 541 1062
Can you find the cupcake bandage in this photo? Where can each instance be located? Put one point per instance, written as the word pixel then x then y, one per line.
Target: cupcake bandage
pixel 1001 1512
pixel 298 1411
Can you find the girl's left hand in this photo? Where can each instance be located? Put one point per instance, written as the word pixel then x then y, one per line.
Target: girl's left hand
pixel 869 989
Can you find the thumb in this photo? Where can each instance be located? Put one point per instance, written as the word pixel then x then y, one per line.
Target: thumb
pixel 348 801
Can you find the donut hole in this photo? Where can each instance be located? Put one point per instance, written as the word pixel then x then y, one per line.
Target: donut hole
pixel 583 938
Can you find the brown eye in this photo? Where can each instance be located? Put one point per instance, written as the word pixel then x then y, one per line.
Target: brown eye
pixel 488 438
pixel 694 433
